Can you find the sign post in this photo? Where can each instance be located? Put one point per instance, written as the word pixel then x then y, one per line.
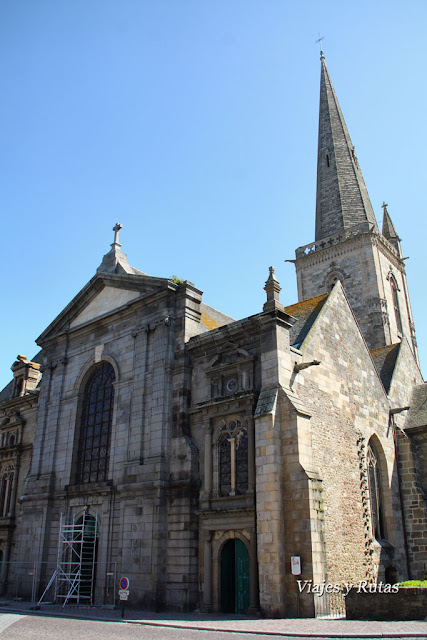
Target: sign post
pixel 124 593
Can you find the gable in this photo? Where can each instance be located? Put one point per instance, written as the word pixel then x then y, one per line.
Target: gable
pixel 335 339
pixel 107 300
pixel 104 294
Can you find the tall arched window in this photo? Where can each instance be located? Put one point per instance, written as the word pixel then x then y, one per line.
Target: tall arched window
pixel 6 491
pixel 374 483
pixel 396 307
pixel 95 426
pixel 233 459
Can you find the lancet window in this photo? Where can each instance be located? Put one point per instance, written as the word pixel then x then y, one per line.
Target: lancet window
pixel 95 426
pixel 374 483
pixel 233 459
pixel 396 307
pixel 6 491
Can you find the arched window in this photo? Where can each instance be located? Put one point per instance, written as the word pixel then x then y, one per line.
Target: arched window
pixel 332 279
pixel 374 483
pixel 396 307
pixel 6 491
pixel 95 426
pixel 233 459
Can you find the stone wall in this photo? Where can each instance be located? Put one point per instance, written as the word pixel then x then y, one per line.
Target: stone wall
pixel 406 604
pixel 349 406
pixel 413 469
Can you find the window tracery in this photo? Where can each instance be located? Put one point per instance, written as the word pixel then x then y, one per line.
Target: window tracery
pixel 95 426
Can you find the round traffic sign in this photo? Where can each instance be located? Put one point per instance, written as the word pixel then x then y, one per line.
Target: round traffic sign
pixel 124 583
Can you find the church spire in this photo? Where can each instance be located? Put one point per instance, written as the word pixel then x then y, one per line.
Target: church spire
pixel 342 198
pixel 389 231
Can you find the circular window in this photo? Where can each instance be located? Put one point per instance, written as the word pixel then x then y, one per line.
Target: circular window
pixel 232 385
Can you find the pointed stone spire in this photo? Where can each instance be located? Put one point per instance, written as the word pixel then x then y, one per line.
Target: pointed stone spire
pixel 342 198
pixel 115 261
pixel 388 229
pixel 272 288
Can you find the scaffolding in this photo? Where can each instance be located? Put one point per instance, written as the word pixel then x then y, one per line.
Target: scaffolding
pixel 74 575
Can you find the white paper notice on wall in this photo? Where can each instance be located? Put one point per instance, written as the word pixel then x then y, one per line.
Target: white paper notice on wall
pixel 296 565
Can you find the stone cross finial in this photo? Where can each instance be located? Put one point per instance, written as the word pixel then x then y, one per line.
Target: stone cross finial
pixel 384 206
pixel 116 230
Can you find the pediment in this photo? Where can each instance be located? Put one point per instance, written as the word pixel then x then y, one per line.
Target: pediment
pixel 108 299
pixel 104 294
pixel 229 354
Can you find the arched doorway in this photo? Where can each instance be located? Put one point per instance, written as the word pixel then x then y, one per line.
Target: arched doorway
pixel 234 577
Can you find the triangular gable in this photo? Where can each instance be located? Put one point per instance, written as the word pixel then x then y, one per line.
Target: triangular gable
pixel 328 309
pixel 108 299
pixel 104 294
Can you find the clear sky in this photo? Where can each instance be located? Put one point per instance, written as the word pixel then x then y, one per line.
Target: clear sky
pixel 193 123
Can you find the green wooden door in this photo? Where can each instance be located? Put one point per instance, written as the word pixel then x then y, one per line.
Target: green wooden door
pixel 234 577
pixel 241 564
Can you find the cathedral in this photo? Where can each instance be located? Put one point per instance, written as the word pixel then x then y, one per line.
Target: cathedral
pixel 216 463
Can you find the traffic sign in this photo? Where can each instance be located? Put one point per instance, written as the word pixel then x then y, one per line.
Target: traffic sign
pixel 124 583
pixel 124 596
pixel 123 592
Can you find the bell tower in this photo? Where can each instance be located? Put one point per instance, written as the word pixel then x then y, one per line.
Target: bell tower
pixel 348 245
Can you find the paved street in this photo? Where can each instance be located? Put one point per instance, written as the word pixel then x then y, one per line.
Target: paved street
pixel 21 627
pixel 15 626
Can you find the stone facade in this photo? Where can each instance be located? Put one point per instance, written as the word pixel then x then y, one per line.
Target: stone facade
pixel 202 455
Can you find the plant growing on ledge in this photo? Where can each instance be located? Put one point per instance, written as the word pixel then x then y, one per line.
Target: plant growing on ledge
pixel 177 280
pixel 413 583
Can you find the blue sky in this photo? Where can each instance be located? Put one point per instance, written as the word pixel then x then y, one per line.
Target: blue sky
pixel 194 124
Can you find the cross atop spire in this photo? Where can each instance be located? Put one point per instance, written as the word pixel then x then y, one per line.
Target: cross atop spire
pixel 116 230
pixel 342 198
pixel 319 42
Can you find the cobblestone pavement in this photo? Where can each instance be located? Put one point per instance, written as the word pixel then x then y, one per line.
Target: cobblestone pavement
pixel 306 627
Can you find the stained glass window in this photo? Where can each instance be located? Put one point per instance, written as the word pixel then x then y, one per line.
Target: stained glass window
pixel 95 426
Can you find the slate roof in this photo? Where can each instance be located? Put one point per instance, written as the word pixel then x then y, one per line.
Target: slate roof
pixel 385 360
pixel 305 313
pixel 342 200
pixel 417 414
pixel 212 318
pixel 6 393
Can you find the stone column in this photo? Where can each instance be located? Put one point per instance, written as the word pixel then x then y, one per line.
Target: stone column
pixel 251 456
pixel 253 576
pixel 207 582
pixel 208 459
pixel 232 442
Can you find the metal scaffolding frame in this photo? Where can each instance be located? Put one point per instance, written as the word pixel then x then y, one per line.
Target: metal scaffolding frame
pixel 75 567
